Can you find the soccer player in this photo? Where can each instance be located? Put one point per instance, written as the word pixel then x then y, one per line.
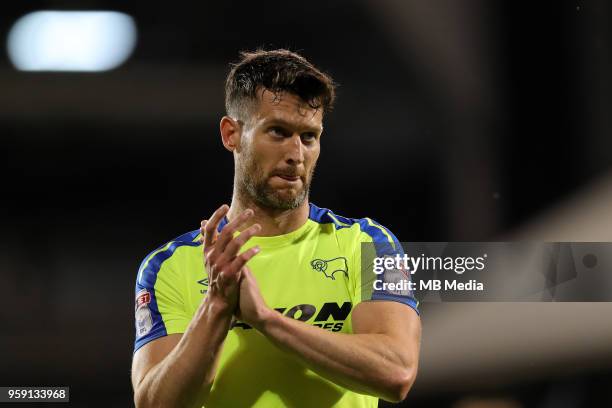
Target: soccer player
pixel 265 304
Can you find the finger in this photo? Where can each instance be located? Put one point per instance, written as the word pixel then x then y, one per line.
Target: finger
pixel 212 226
pixel 228 231
pixel 228 279
pixel 210 230
pixel 245 257
pixel 202 232
pixel 233 247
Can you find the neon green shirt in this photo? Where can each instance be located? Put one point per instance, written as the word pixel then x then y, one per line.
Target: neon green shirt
pixel 311 274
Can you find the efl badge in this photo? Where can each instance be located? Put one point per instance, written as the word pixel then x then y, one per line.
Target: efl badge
pixel 400 277
pixel 144 321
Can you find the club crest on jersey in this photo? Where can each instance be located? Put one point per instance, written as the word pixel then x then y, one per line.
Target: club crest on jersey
pixel 144 320
pixel 329 267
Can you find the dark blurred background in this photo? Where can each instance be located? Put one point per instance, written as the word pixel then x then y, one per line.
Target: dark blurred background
pixel 472 120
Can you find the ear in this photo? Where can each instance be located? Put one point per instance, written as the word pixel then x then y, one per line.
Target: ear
pixel 230 133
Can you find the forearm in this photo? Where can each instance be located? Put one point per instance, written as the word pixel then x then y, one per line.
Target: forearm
pixel 365 363
pixel 185 376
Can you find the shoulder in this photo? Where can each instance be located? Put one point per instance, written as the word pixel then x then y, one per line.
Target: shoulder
pixel 363 229
pixel 154 262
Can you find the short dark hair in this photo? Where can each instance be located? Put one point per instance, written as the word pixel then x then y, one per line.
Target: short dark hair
pixel 278 71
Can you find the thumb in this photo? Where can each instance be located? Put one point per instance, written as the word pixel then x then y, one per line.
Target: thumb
pixel 247 274
pixel 245 279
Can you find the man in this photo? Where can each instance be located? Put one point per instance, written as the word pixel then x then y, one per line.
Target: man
pixel 263 305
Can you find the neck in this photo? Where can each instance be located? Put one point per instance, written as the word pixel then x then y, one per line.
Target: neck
pixel 272 221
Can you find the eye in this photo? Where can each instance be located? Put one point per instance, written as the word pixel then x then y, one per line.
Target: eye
pixel 277 131
pixel 309 136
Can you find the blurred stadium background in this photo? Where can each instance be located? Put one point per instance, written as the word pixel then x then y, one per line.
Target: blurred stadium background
pixel 472 120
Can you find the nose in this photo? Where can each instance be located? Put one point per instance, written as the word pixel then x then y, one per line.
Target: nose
pixel 295 150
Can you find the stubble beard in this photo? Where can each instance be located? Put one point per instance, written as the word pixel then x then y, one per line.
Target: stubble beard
pixel 253 185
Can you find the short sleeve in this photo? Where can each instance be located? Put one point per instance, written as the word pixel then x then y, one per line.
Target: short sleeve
pixel 159 307
pixel 379 248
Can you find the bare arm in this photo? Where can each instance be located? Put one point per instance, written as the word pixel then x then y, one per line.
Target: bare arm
pixel 380 358
pixel 179 370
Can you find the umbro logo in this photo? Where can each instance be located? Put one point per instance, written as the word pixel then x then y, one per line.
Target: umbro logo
pixel 204 282
pixel 330 266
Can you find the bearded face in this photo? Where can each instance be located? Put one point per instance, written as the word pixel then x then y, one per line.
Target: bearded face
pixel 279 149
pixel 283 188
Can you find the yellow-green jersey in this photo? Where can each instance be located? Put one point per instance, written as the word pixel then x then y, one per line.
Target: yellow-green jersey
pixel 312 274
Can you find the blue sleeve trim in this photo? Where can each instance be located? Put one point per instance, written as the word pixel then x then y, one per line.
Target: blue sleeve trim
pixel 410 301
pixel 146 280
pixel 148 338
pixel 381 241
pixel 387 244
